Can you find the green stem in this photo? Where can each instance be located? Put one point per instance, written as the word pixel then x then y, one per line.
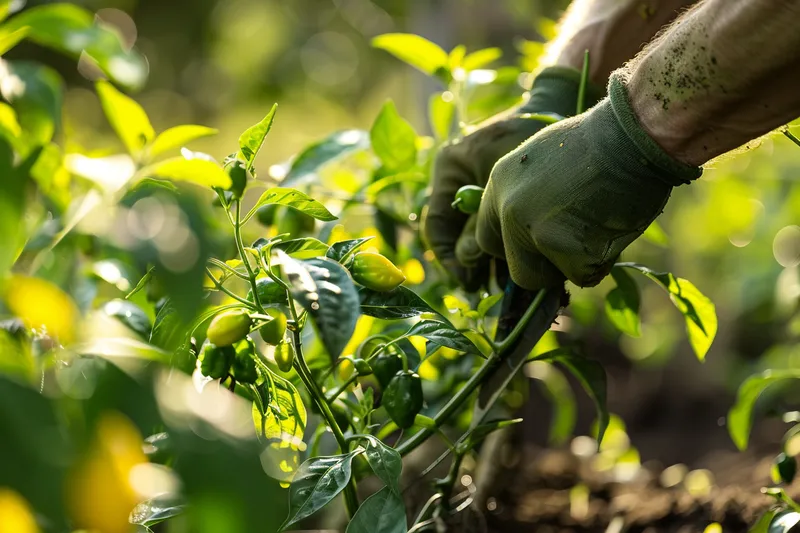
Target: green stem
pixel 227 291
pixel 224 266
pixel 791 136
pixel 584 81
pixel 338 391
pixel 318 397
pixel 237 234
pixel 510 341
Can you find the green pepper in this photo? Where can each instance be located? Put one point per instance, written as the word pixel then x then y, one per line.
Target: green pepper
pixel 362 367
pixel 468 199
pixel 229 327
pixel 215 361
pixel 375 272
pixel 272 332
pixel 784 468
pixel 403 398
pixel 284 356
pixel 244 364
pixel 269 292
pixel 385 366
pixel 237 171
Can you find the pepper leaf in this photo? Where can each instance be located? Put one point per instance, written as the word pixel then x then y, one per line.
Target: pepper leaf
pixel 342 250
pixel 393 139
pixel 622 303
pixel 252 139
pixel 414 50
pixel 126 116
pixel 399 302
pixel 294 199
pixel 385 461
pixel 177 137
pixel 383 512
pixel 303 248
pixel 442 334
pixel 329 149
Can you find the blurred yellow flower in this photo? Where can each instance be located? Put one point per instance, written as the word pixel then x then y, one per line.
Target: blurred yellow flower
pixel 16 516
pixel 42 305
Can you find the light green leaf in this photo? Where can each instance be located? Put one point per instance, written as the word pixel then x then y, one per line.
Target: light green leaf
pixel 303 248
pixel 285 419
pixel 456 56
pixel 740 415
pixel 252 139
pixel 441 112
pixel 375 188
pixel 481 58
pixel 622 303
pixel 485 305
pixel 414 50
pixel 199 171
pixel 385 461
pixel 383 512
pixel 75 31
pixel 329 149
pixel 318 481
pixel 697 309
pixel 177 137
pixel 393 139
pixel 9 40
pixel 656 234
pixel 35 92
pixel 295 199
pixel 126 116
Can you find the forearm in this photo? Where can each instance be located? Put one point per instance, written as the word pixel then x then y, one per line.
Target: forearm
pixel 725 73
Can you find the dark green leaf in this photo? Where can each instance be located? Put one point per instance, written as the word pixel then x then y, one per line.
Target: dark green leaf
pixel 342 250
pixel 295 199
pixel 252 139
pixel 414 50
pixel 475 436
pixel 592 376
pixel 697 309
pixel 75 31
pixel 622 303
pixel 740 415
pixel 35 93
pixel 304 248
pixel 126 116
pixel 316 483
pixel 326 290
pixel 393 139
pixel 385 461
pixel 383 512
pixel 129 314
pixel 269 292
pixel 331 148
pixel 442 334
pixel 397 303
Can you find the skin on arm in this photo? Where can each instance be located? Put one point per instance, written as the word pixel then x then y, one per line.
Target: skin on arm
pixel 723 74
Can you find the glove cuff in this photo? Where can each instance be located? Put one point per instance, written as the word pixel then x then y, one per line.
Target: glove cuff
pixel 662 165
pixel 555 90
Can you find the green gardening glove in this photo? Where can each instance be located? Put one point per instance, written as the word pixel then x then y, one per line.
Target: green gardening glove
pixel 568 200
pixel 469 161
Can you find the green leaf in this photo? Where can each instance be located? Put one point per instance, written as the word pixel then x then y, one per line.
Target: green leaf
pixel 303 248
pixel 177 137
pixel 393 139
pixel 295 199
pixel 656 234
pixel 198 171
pixel 440 114
pixel 414 50
pixel 126 116
pixel 559 392
pixel 342 250
pixel 9 40
pixel 397 179
pixel 442 334
pixel 329 149
pixel 252 139
pixel 129 314
pixel 697 309
pixel 156 510
pixel 622 303
pixel 481 58
pixel 316 483
pixel 12 205
pixel 476 435
pixel 75 31
pixel 35 92
pixel 284 422
pixel 762 525
pixel 385 461
pixel 485 305
pixel 325 289
pixel 400 302
pixel 383 512
pixel 740 415
pixel 591 375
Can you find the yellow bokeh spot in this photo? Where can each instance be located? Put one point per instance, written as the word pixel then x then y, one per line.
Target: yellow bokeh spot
pixel 16 516
pixel 362 331
pixel 42 305
pixel 413 271
pixel 338 233
pixel 100 495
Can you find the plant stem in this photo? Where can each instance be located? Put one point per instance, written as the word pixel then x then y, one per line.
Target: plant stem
pixel 509 342
pixel 227 291
pixel 791 136
pixel 224 266
pixel 237 234
pixel 336 392
pixel 584 81
pixel 318 397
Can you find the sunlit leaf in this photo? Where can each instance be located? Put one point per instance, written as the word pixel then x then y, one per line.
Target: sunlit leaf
pixel 35 92
pixel 485 305
pixel 156 510
pixel 697 309
pixel 393 139
pixel 9 39
pixel 481 58
pixel 414 50
pixel 199 171
pixel 12 205
pixel 126 116
pixel 177 137
pixel 740 415
pixel 303 248
pixel 385 461
pixel 318 481
pixel 342 250
pixel 400 302
pixel 441 112
pixel 622 303
pixel 383 512
pixel 656 234
pixel 295 199
pixel 252 139
pixel 442 334
pixel 74 31
pixel 42 305
pixel 329 149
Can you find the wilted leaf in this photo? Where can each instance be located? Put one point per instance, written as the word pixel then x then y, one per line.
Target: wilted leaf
pixel 126 116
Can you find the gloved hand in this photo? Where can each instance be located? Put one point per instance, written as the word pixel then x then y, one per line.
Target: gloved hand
pixel 568 200
pixel 450 233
